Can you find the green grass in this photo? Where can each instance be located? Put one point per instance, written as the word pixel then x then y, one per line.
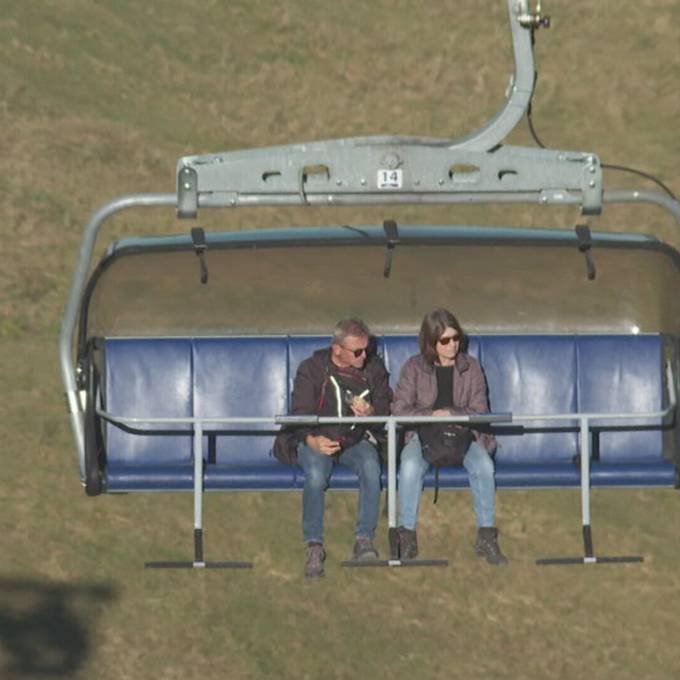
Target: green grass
pixel 99 99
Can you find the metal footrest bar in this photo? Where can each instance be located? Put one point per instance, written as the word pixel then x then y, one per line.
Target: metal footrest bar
pixel 589 556
pixel 549 561
pixel 198 565
pixel 395 563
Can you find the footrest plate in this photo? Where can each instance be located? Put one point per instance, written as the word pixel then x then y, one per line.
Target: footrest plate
pixel 550 561
pixel 395 563
pixel 198 565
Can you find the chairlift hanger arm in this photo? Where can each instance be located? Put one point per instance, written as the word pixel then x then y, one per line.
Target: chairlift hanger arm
pixel 382 170
pixel 387 170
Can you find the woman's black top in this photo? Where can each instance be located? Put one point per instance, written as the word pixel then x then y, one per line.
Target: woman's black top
pixel 444 387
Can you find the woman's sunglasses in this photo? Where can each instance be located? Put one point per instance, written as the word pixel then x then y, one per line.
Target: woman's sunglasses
pixel 448 338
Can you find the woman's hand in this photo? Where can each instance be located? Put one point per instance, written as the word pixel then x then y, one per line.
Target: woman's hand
pixel 442 412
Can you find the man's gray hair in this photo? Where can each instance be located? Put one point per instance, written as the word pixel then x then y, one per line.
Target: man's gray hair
pixel 350 327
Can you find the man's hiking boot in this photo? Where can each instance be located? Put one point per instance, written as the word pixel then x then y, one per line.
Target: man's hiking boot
pixel 363 549
pixel 487 546
pixel 314 559
pixel 408 543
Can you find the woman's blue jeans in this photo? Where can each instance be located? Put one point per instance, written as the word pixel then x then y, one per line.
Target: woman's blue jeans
pixel 412 471
pixel 362 458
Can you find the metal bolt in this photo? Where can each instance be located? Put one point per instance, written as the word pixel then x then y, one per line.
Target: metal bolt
pixel 187 186
pixel 592 169
pixel 338 182
pixel 363 181
pixel 560 156
pixel 441 182
pixel 232 203
pixel 417 182
pixel 330 199
pixel 591 184
pixel 544 199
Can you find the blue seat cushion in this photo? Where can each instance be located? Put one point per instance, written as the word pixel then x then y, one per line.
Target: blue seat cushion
pixel 249 477
pixel 511 476
pixel 149 477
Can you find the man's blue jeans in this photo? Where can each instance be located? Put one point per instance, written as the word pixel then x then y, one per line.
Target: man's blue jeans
pixel 412 471
pixel 362 458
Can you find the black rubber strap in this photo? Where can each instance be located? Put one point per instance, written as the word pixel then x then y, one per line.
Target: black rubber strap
pixel 392 236
pixel 200 246
pixel 585 244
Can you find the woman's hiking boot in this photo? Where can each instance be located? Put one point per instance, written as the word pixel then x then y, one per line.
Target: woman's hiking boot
pixel 408 543
pixel 364 549
pixel 314 559
pixel 487 546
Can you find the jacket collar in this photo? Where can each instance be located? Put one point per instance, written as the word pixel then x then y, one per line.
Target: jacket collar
pixel 462 364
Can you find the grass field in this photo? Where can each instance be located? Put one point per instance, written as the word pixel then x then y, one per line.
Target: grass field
pixel 99 99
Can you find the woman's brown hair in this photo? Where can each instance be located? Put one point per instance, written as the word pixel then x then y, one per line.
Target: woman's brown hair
pixel 433 326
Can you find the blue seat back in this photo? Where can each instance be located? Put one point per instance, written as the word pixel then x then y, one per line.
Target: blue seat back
pixel 148 379
pixel 300 348
pixel 624 374
pixel 253 376
pixel 240 377
pixel 532 375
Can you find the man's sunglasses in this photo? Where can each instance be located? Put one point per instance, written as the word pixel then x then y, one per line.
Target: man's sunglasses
pixel 357 352
pixel 447 340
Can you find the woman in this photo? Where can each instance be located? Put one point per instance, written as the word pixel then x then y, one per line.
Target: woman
pixel 442 381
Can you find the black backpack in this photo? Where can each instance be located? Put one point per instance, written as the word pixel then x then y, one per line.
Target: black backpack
pixel 444 444
pixel 340 387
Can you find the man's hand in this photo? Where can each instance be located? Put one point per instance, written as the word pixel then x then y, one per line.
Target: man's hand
pixel 360 407
pixel 322 444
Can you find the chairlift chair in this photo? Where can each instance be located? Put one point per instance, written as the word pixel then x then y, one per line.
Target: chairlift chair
pixel 389 171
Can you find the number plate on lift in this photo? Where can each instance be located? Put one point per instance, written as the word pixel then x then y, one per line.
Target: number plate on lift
pixel 390 179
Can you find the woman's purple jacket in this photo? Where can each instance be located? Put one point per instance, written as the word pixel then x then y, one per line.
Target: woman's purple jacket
pixel 416 391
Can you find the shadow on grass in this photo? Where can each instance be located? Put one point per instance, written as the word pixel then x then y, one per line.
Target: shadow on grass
pixel 46 629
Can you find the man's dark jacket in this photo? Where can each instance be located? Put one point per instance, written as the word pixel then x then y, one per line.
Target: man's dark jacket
pixel 309 381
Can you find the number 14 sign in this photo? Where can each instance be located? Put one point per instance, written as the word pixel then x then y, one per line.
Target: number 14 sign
pixel 390 179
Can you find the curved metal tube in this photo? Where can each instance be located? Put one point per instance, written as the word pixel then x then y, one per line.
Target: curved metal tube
pixel 640 196
pixel 68 324
pixel 521 88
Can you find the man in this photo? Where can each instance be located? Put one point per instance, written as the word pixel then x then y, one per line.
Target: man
pixel 341 380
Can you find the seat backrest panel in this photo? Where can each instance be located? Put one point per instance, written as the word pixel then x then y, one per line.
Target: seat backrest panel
pixel 253 376
pixel 623 374
pixel 301 347
pixel 532 375
pixel 241 377
pixel 148 378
